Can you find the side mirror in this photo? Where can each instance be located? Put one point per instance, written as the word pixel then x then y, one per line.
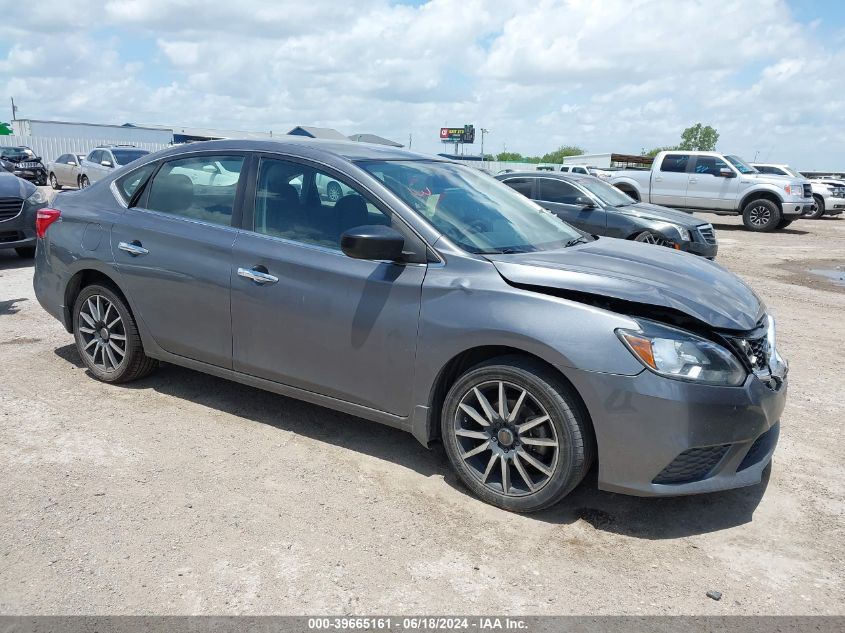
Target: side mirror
pixel 726 172
pixel 584 201
pixel 71 162
pixel 105 163
pixel 372 242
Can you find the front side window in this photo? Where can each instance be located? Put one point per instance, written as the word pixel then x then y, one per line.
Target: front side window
pixel 197 188
pixel 302 204
pixel 522 185
pixel 479 214
pixel 557 191
pixel 608 194
pixel 710 165
pixel 95 156
pixel 741 166
pixel 675 163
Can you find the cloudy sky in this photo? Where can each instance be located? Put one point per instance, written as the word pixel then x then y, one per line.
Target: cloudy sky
pixel 608 75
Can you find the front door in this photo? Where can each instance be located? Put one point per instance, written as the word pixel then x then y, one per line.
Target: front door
pixel 670 180
pixel 566 201
pixel 306 315
pixel 174 253
pixel 708 189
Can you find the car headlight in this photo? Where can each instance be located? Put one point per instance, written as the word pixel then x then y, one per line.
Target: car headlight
pixel 39 197
pixel 684 233
pixel 794 190
pixel 682 355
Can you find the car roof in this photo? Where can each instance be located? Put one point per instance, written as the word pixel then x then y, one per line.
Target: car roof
pixel 565 175
pixel 349 150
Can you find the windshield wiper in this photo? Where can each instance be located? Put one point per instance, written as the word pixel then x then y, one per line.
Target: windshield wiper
pixel 577 240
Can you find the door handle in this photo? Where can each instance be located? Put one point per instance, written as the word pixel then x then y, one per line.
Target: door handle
pixel 260 277
pixel 693 180
pixel 658 179
pixel 134 248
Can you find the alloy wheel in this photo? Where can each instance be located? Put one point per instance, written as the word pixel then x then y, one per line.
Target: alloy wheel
pixel 506 438
pixel 334 192
pixel 53 182
pixel 103 333
pixel 760 216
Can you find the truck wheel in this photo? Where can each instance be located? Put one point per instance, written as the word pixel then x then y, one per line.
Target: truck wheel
pixel 819 212
pixel 631 194
pixel 761 215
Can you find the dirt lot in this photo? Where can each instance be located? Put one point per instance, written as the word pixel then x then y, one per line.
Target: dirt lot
pixel 185 493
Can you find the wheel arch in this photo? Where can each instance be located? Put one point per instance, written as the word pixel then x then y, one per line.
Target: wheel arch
pixel 83 278
pixel 473 356
pixel 758 194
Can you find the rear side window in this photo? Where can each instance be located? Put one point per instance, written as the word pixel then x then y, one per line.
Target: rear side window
pixel 521 185
pixel 127 185
pixel 557 191
pixel 200 188
pixel 675 163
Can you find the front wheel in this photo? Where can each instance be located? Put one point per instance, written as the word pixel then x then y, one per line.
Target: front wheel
pixel 647 237
pixel 54 182
pixel 819 211
pixel 84 182
pixel 761 215
pixel 517 435
pixel 333 191
pixel 107 337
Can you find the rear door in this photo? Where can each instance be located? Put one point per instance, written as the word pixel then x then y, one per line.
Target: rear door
pixel 314 318
pixel 562 199
pixel 670 180
pixel 174 253
pixel 708 189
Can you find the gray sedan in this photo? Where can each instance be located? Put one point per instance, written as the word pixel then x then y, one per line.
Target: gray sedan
pixel 64 171
pixel 430 298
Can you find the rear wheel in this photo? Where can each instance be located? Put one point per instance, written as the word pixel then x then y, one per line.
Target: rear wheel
pixel 54 182
pixel 819 211
pixel 27 252
pixel 84 182
pixel 107 337
pixel 516 434
pixel 761 215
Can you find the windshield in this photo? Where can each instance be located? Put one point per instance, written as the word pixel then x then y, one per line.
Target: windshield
pixel 741 166
pixel 126 156
pixel 608 194
pixel 792 172
pixel 477 212
pixel 18 153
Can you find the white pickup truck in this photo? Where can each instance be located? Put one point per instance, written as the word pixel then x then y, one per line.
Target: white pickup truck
pixel 717 183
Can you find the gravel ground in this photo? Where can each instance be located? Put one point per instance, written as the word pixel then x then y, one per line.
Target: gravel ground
pixel 187 494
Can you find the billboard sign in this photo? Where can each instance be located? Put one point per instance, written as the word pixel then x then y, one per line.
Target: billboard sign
pixel 465 134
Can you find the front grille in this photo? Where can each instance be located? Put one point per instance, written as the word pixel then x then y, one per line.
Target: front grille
pixel 760 448
pixel 10 236
pixel 707 233
pixel 754 350
pixel 10 207
pixel 808 190
pixel 693 464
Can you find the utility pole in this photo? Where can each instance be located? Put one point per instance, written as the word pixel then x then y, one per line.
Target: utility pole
pixel 483 132
pixel 14 108
pixel 410 140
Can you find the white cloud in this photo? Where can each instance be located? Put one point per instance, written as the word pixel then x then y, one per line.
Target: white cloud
pixel 613 75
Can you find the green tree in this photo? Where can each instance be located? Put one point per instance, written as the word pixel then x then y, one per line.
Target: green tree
pixel 699 137
pixel 509 156
pixel 560 153
pixel 5 129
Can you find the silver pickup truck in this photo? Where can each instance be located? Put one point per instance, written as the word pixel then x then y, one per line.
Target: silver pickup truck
pixel 710 182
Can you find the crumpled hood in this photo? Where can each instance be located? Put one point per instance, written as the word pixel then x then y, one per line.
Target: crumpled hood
pixel 642 273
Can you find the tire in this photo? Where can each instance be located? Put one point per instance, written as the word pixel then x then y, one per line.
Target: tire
pixel 761 215
pixel 26 252
pixel 819 212
pixel 333 191
pixel 84 182
pixel 785 223
pixel 96 327
pixel 647 237
pixel 54 182
pixel 559 450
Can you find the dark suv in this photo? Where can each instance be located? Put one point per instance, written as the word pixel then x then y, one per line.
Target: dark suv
pixel 23 163
pixel 597 208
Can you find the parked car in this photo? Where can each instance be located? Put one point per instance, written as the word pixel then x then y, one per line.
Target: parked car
pixel 101 160
pixel 20 202
pixel 718 183
pixel 598 208
pixel 432 299
pixel 829 196
pixel 64 171
pixel 575 169
pixel 23 163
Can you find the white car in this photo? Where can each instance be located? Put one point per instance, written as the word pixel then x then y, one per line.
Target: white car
pixel 828 193
pixel 101 160
pixel 64 171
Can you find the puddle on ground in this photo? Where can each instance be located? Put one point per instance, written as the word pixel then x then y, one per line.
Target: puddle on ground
pixel 836 276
